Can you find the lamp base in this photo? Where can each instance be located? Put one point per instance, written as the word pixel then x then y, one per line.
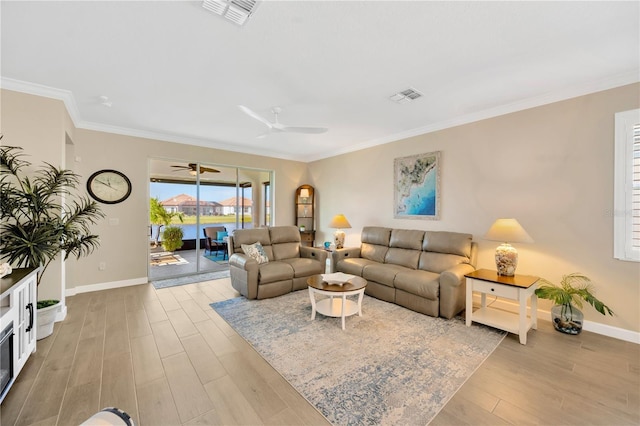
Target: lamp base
pixel 506 260
pixel 338 238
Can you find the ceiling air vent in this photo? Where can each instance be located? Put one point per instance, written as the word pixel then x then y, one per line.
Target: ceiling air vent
pixel 405 96
pixel 236 11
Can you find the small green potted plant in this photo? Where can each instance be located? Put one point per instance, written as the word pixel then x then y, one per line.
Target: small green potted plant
pixel 568 296
pixel 41 218
pixel 172 238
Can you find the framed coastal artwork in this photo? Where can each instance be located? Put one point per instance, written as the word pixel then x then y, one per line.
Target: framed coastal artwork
pixel 417 186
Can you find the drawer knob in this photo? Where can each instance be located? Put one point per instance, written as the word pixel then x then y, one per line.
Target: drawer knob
pixel 493 289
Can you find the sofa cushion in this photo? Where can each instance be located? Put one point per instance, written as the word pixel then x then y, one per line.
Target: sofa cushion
pixel 250 236
pixel 421 283
pixel 373 252
pixel 439 262
pixel 406 238
pixel 403 257
pixel 353 265
pixel 274 271
pixel 285 251
pixel 305 267
pixel 284 234
pixel 382 273
pixel 256 252
pixel 447 242
pixel 376 235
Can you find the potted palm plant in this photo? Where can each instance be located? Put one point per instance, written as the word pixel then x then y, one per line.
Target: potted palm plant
pixel 41 218
pixel 568 296
pixel 160 217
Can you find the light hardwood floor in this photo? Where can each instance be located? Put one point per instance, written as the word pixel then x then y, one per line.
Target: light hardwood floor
pixel 166 358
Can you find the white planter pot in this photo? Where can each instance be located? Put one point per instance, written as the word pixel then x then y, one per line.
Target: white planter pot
pixel 45 319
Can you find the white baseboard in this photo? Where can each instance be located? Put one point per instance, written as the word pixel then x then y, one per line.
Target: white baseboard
pixel 105 286
pixel 615 332
pixel 594 327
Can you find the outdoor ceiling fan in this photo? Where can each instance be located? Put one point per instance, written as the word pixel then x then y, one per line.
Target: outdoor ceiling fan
pixel 277 127
pixel 193 167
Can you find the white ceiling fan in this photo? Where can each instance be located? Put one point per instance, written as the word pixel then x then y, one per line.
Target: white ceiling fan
pixel 275 126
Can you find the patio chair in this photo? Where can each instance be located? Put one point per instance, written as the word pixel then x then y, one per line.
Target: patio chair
pixel 215 240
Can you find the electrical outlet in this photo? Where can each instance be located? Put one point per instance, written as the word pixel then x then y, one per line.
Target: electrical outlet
pixel 102 266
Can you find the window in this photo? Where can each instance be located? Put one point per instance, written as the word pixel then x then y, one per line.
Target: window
pixel 626 217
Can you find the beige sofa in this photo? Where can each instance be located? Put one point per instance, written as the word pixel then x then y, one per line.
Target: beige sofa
pixel 287 269
pixel 420 270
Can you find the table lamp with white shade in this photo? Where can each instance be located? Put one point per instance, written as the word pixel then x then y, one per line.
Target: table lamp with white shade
pixel 507 231
pixel 339 222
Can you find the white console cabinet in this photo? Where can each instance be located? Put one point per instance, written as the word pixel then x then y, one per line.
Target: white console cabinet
pixel 18 305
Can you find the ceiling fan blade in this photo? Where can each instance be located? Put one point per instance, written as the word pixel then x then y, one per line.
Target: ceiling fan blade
pixel 208 169
pixel 181 167
pixel 276 128
pixel 258 117
pixel 307 130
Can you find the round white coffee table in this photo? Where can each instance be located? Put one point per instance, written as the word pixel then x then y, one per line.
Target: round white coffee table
pixel 336 305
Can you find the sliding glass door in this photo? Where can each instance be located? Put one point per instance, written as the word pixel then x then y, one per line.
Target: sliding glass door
pixel 206 202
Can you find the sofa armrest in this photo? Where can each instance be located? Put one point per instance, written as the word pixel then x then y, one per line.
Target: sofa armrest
pixel 243 271
pixel 314 253
pixel 343 253
pixel 243 261
pixel 454 277
pixel 452 290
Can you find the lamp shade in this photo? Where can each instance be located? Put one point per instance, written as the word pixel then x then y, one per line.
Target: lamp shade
pixel 340 222
pixel 304 193
pixel 508 231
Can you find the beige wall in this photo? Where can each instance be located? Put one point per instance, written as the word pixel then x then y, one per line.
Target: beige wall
pixel 37 125
pixel 550 167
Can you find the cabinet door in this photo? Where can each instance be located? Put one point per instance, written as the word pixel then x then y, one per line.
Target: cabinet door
pixel 25 327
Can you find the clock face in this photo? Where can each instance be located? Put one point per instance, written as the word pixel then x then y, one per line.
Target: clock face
pixel 109 186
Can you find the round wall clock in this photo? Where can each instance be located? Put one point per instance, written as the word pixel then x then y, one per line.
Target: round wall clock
pixel 109 186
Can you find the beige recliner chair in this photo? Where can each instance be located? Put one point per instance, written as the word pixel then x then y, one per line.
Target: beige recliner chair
pixel 286 267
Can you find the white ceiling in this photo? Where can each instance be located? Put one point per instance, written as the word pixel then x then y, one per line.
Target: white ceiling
pixel 174 71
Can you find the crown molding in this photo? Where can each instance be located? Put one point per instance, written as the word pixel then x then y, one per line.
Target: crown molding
pixel 167 137
pixel 66 96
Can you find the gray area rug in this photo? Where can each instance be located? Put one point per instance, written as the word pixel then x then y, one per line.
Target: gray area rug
pixel 392 366
pixel 172 282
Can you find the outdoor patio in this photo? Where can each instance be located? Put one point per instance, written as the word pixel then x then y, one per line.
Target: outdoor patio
pixel 183 262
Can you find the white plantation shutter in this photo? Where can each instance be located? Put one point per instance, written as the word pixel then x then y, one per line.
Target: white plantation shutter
pixel 635 190
pixel 627 186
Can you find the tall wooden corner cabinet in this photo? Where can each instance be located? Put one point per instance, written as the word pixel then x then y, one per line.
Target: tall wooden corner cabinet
pixel 305 214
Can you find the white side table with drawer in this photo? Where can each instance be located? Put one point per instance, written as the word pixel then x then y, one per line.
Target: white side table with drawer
pixel 518 287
